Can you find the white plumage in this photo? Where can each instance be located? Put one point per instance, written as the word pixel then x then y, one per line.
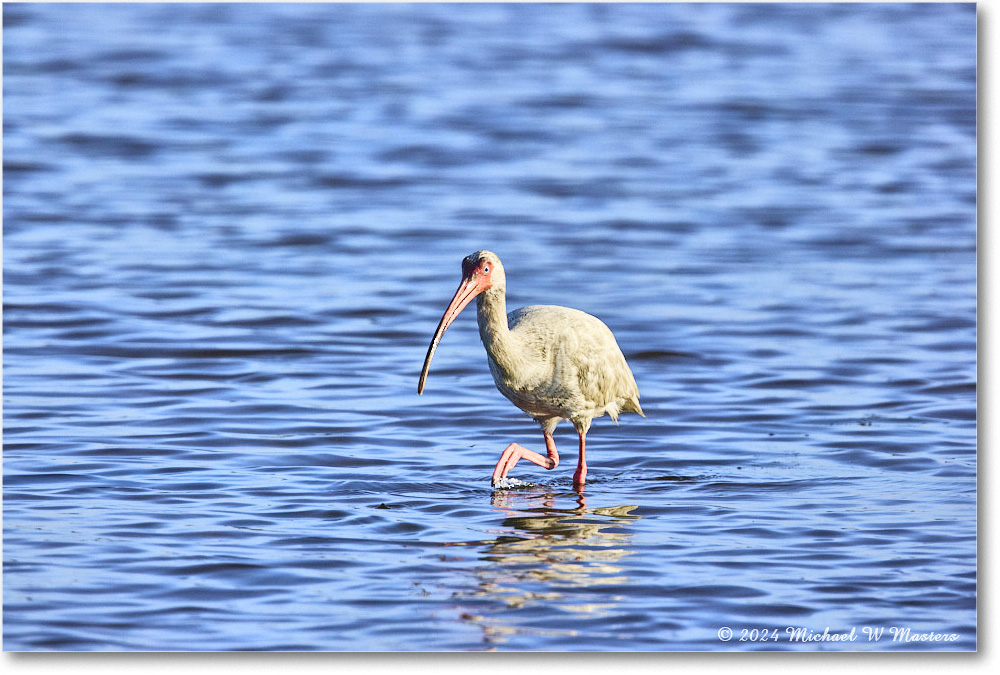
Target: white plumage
pixel 554 363
pixel 568 365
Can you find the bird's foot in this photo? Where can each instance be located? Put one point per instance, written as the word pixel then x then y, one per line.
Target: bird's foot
pixel 514 452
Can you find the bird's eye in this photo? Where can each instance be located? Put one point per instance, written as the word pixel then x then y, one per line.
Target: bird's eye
pixel 486 269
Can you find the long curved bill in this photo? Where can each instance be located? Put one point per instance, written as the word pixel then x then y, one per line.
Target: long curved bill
pixel 467 290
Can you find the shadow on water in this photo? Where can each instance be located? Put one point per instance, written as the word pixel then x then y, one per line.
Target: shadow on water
pixel 562 555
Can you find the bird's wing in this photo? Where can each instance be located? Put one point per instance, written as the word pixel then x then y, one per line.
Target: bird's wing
pixel 585 361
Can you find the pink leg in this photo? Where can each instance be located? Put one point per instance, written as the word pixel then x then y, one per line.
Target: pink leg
pixel 514 452
pixel 580 477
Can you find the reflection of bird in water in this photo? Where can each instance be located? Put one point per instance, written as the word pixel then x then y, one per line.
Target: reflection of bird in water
pixel 552 362
pixel 554 556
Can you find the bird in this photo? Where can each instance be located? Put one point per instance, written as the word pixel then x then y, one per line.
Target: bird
pixel 554 363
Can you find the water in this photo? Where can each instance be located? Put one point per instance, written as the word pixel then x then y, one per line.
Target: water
pixel 230 231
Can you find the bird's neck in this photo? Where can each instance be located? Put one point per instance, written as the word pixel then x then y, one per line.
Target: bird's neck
pixel 491 306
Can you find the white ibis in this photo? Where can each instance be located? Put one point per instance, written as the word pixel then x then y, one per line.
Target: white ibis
pixel 554 363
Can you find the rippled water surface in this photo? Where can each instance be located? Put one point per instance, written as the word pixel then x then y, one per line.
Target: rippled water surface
pixel 229 233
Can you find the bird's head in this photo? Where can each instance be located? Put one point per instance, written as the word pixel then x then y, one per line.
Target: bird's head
pixel 481 271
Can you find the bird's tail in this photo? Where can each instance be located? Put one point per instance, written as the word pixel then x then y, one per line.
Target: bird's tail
pixel 632 405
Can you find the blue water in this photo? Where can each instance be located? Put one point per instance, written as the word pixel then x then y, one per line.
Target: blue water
pixel 229 233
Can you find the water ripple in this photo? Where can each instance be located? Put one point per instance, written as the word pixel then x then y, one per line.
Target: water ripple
pixel 229 231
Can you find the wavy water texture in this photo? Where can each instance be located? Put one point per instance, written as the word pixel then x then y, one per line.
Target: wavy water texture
pixel 229 232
